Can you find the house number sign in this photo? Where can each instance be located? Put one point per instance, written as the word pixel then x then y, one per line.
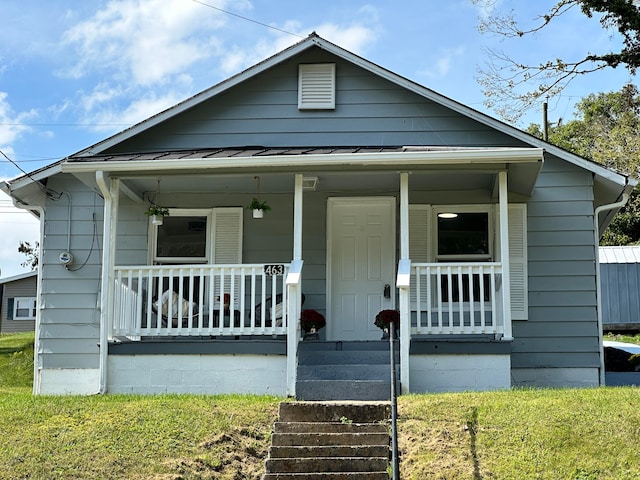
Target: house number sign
pixel 274 270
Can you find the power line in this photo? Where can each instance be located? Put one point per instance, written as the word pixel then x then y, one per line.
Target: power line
pixel 13 124
pixel 247 19
pixel 50 193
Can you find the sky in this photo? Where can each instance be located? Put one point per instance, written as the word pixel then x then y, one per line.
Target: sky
pixel 75 72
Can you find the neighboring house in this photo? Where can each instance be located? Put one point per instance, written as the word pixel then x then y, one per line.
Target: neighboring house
pixel 18 303
pixel 384 195
pixel 620 285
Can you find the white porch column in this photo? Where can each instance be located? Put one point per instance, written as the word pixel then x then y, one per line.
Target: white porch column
pixel 504 254
pixel 109 188
pixel 403 283
pixel 293 286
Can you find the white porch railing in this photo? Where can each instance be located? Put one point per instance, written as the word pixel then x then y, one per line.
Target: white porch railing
pixel 220 300
pixel 456 298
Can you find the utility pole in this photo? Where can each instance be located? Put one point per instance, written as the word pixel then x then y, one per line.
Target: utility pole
pixel 545 122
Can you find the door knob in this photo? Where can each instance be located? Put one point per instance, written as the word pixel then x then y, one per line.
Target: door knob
pixel 387 291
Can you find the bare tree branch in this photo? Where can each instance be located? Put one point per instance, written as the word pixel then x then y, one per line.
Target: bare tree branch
pixel 504 77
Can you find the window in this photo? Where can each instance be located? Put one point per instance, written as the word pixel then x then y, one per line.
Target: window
pixel 190 236
pixel 182 238
pixel 22 308
pixel 463 235
pixel 196 236
pixel 468 236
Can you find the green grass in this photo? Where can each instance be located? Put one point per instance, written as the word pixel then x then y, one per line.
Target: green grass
pixel 134 437
pixel 619 337
pixel 16 360
pixel 522 434
pixel 585 434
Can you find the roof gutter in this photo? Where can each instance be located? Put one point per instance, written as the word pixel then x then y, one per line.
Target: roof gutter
pixel 596 229
pixel 407 158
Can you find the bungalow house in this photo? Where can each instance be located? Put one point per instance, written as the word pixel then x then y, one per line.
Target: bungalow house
pixel 18 305
pixel 383 195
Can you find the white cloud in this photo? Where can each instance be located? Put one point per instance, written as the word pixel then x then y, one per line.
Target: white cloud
pixel 443 64
pixel 355 37
pixel 147 54
pixel 22 226
pixel 12 124
pixel 110 118
pixel 144 41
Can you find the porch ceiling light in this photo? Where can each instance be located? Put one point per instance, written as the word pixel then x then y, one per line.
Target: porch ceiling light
pixel 309 183
pixel 447 215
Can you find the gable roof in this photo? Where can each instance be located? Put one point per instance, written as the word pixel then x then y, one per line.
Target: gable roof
pixel 608 184
pixel 20 276
pixel 315 40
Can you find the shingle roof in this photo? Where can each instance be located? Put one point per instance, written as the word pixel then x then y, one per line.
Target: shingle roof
pixel 248 152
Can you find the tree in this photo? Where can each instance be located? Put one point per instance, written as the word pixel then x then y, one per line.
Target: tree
pixel 505 75
pixel 607 130
pixel 31 252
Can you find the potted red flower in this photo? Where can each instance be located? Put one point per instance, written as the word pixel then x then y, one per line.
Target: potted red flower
pixel 311 321
pixel 384 321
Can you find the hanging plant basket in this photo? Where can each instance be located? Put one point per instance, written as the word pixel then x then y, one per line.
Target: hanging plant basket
pixel 258 207
pixel 157 214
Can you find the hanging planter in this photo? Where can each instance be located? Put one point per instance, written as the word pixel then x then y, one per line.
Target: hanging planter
pixel 258 207
pixel 155 211
pixel 157 214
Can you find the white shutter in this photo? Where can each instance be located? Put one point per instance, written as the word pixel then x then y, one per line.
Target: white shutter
pixel 317 86
pixel 419 233
pixel 227 235
pixel 419 249
pixel 518 261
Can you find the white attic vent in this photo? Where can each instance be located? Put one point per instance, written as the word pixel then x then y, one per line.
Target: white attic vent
pixel 317 86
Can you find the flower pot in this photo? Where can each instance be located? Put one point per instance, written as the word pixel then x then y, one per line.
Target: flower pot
pixel 311 335
pixel 385 334
pixel 258 213
pixel 157 219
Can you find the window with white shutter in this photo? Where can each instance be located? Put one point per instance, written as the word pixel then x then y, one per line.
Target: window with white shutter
pixel 199 236
pixel 317 86
pixel 426 246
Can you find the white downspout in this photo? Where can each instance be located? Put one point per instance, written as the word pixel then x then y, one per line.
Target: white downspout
pixel 596 230
pixel 108 254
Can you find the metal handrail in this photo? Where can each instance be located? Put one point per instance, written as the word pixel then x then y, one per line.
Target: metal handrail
pixel 394 405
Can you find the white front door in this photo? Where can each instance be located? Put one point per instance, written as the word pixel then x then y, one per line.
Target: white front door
pixel 361 263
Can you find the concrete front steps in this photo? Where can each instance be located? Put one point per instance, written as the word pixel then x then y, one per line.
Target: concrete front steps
pixel 330 441
pixel 345 371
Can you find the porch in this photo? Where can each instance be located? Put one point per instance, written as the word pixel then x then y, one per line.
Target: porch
pixel 436 293
pixel 261 299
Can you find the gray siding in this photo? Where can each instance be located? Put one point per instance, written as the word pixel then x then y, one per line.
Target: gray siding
pixel 24 287
pixel 620 284
pixel 264 112
pixel 70 322
pixel 562 329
